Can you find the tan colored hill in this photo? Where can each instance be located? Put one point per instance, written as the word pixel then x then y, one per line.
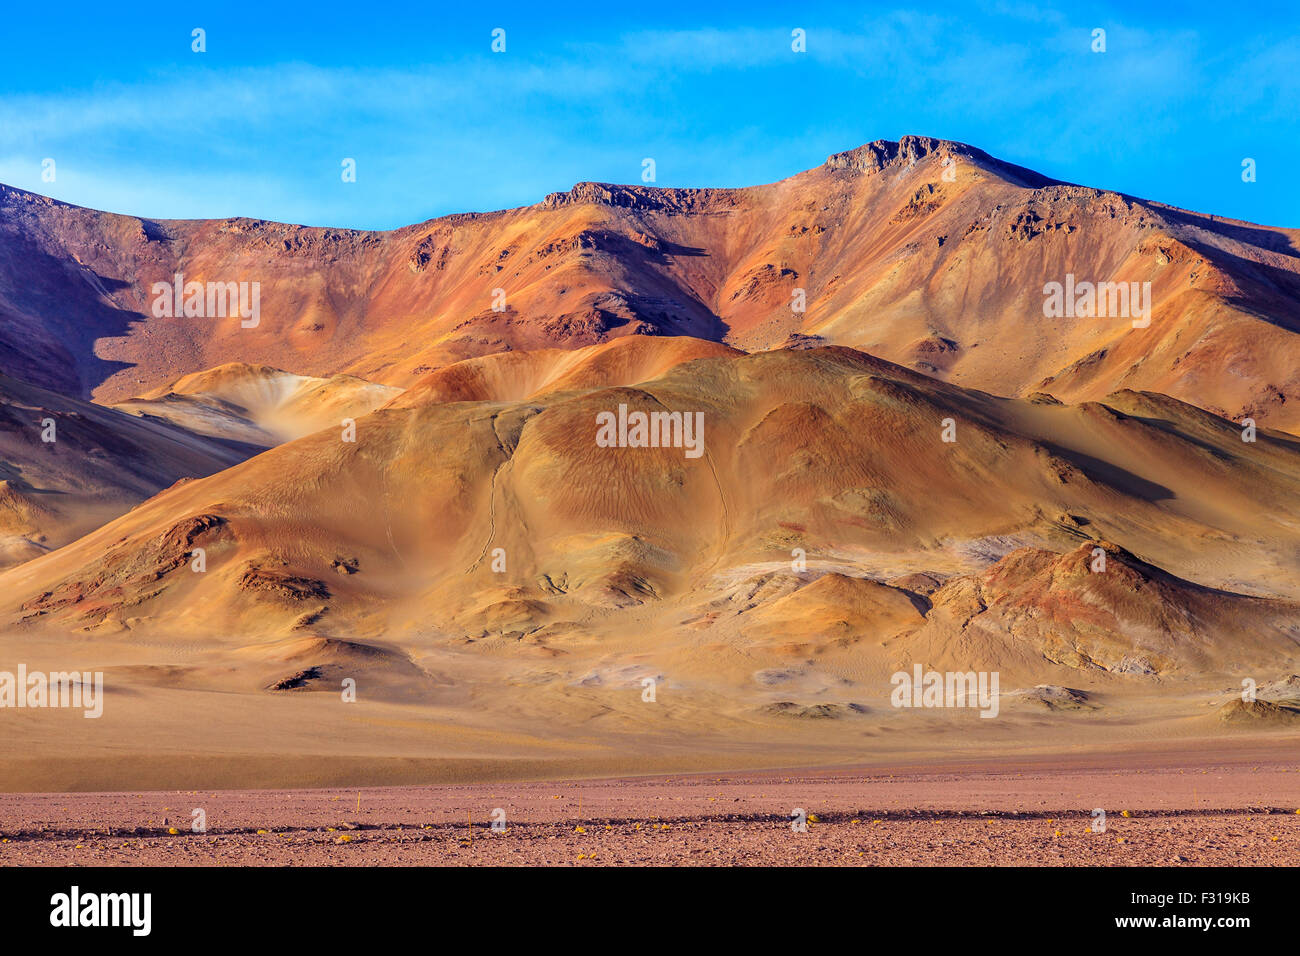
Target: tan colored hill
pixel 97 465
pixel 498 583
pixel 928 253
pixel 1098 607
pixel 514 376
pixel 259 405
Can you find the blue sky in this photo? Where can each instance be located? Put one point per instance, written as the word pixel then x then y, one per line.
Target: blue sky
pixel 437 123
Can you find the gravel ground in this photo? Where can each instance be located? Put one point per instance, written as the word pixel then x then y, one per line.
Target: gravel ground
pixel 1231 812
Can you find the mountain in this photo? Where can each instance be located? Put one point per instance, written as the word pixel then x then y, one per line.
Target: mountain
pixel 647 470
pixel 924 252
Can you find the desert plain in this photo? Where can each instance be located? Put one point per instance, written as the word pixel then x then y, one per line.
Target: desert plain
pixel 1180 806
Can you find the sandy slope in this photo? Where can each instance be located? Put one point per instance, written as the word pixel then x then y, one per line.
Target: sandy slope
pixel 259 405
pixel 377 561
pixel 514 376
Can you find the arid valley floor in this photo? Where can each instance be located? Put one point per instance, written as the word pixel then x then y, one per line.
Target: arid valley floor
pixel 1188 806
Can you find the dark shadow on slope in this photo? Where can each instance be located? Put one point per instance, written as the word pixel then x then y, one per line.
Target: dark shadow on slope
pixel 53 314
pixel 1271 294
pixel 1261 237
pixel 1107 473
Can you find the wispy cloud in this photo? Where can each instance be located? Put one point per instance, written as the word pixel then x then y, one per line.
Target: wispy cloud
pixel 713 106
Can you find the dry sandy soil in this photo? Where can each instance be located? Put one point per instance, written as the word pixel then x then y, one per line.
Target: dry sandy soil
pixel 1238 806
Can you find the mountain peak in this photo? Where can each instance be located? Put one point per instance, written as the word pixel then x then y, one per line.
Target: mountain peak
pixel 909 150
pixel 876 155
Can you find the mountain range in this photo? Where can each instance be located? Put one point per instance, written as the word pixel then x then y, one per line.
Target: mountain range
pixel 390 473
